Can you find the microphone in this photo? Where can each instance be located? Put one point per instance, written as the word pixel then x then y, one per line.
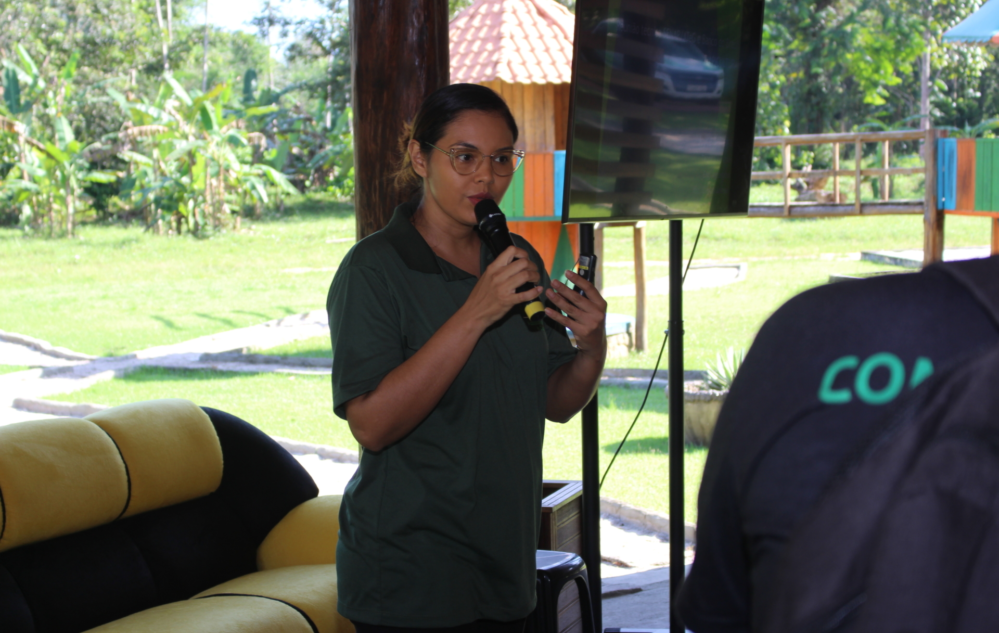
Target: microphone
pixel 492 227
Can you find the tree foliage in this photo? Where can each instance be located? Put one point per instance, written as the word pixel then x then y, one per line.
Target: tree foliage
pixel 831 65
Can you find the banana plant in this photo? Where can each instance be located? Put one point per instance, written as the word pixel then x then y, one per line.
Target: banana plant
pixel 50 165
pixel 187 153
pixel 336 162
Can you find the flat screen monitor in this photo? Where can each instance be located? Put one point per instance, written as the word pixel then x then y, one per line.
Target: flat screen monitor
pixel 663 109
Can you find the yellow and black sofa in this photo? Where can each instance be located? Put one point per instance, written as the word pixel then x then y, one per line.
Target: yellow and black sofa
pixel 164 517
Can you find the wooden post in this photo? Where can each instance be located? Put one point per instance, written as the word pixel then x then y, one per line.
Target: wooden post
pixel 858 155
pixel 885 179
pixel 786 166
pixel 995 237
pixel 836 198
pixel 598 250
pixel 399 55
pixel 641 305
pixel 933 218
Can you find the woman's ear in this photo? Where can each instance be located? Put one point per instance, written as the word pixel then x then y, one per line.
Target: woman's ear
pixel 417 158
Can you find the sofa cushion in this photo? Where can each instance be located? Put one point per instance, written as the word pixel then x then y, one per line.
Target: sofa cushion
pixel 261 481
pixel 57 477
pixel 218 614
pixel 77 581
pixel 310 588
pixel 305 536
pixel 170 448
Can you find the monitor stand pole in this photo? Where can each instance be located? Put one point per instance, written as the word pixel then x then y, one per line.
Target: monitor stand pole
pixel 676 524
pixel 591 477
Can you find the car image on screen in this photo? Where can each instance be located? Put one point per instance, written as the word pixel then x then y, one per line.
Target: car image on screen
pixel 686 72
pixel 682 67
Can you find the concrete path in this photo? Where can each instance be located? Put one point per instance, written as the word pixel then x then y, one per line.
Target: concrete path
pixel 636 551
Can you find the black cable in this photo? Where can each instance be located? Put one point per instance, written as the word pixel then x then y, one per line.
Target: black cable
pixel 655 369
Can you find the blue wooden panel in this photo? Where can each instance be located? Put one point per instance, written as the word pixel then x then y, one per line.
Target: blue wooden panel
pixel 559 184
pixel 947 173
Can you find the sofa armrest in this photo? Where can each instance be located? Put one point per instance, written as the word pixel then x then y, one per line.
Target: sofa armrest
pixel 305 536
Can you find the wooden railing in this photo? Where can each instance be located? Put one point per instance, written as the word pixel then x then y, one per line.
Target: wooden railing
pixel 837 207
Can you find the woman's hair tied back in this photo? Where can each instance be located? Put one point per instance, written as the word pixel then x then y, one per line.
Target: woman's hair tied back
pixel 438 111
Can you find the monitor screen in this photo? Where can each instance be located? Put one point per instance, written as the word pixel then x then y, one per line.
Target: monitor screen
pixel 663 109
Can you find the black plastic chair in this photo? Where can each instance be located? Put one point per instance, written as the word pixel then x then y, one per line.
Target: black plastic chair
pixel 555 571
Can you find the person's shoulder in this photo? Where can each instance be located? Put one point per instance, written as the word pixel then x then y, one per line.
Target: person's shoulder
pixel 862 296
pixel 371 251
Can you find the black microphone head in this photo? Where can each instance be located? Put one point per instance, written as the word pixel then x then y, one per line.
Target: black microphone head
pixel 485 208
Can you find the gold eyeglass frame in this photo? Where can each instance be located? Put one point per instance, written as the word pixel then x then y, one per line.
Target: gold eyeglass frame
pixel 519 153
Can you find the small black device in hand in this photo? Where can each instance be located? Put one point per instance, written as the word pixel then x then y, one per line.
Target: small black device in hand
pixel 586 267
pixel 493 229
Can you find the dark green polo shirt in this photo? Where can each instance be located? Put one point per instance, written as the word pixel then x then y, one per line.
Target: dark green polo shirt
pixel 439 529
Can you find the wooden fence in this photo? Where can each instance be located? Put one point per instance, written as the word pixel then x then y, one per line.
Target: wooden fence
pixel 836 205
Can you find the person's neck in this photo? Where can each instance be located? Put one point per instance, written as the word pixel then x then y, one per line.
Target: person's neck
pixel 450 240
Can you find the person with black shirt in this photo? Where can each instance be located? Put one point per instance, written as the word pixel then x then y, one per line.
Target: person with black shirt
pixel 821 371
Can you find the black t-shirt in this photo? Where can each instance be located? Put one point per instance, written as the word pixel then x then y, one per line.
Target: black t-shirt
pixel 821 371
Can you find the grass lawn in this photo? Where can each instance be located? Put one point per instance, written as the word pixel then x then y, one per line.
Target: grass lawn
pixel 315 347
pixel 298 406
pixel 9 369
pixel 115 290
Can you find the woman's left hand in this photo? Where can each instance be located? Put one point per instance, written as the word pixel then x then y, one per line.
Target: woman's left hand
pixel 584 315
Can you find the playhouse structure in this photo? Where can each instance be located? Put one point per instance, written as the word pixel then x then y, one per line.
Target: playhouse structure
pixel 522 49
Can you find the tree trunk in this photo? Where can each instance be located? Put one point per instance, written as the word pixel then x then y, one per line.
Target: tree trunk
pixel 924 91
pixel 70 210
pixel 204 59
pixel 52 216
pixel 399 55
pixel 267 36
pixel 163 41
pixel 223 210
pixel 169 17
pixel 206 215
pixel 329 89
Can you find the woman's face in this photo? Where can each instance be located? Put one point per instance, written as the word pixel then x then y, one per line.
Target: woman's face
pixel 447 192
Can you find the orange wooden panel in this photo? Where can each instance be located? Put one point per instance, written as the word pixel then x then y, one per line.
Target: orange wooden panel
pixel 543 236
pixel 538 196
pixel 965 174
pixel 539 192
pixel 530 182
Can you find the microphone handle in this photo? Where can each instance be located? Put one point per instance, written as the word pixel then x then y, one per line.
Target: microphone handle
pixel 498 241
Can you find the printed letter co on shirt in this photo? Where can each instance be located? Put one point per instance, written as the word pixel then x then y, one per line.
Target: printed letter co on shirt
pixel 862 372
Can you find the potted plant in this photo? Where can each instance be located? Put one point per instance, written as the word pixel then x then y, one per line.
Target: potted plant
pixel 703 401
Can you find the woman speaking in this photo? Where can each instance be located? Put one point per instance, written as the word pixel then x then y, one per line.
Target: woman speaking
pixel 447 389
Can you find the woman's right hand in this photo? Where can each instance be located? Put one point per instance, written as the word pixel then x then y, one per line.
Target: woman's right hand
pixel 496 294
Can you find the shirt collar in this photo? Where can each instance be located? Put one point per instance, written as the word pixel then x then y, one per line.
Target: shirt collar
pixel 407 241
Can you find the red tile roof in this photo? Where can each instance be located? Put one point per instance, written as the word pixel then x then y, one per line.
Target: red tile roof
pixel 516 41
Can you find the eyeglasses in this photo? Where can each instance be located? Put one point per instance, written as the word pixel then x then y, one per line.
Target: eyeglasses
pixel 465 161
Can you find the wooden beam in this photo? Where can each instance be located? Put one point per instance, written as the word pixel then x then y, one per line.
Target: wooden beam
pixel 399 55
pixel 831 210
pixel 858 157
pixel 812 139
pixel 641 305
pixel 933 218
